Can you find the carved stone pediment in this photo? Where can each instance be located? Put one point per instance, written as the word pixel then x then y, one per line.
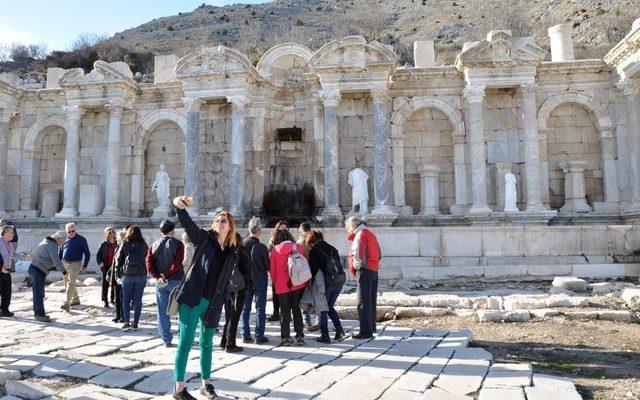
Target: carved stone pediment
pixel 219 60
pixel 500 49
pixel 102 72
pixel 353 52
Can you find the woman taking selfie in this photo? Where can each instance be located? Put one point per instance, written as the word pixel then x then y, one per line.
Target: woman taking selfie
pixel 203 293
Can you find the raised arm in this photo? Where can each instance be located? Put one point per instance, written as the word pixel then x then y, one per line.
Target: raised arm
pixel 193 231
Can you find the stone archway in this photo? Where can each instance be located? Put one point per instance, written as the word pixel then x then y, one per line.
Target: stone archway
pixel 30 182
pixel 586 134
pixel 159 140
pixel 454 140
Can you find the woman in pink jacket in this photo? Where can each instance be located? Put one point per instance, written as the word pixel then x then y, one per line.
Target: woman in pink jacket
pixel 288 294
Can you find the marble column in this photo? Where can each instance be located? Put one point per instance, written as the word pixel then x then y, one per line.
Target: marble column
pixel 112 186
pixel 429 197
pixel 574 191
pixel 477 150
pixel 5 122
pixel 531 149
pixel 72 161
pixel 610 178
pixel 260 159
pixel 236 179
pixel 330 99
pixel 632 97
pixel 191 154
pixel 460 173
pixel 381 153
pixel 318 161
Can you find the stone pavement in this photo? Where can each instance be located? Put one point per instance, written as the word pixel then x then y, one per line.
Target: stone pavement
pixel 83 355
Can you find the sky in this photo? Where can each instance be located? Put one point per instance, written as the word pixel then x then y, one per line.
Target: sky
pixel 56 23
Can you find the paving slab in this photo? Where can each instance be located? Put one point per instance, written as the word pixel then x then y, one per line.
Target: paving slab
pixel 508 375
pixel 52 367
pixel 27 389
pixel 356 387
pixel 439 394
pixel 117 378
pixel 84 370
pixel 501 394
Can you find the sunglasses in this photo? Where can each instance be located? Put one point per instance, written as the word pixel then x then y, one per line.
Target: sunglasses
pixel 71 231
pixel 221 221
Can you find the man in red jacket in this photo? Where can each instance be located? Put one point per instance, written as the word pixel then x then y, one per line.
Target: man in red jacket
pixel 364 262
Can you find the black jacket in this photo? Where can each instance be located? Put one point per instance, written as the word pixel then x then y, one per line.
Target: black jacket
pixel 191 291
pixel 101 255
pixel 259 256
pixel 130 259
pixel 317 258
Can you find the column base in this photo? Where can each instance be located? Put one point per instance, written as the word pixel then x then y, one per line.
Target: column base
pixel 575 207
pixel 458 209
pixel 383 210
pixel 27 213
pixel 606 207
pixel 331 217
pixel 160 214
pixel 111 212
pixel 405 210
pixel 67 212
pixel 632 208
pixel 430 212
pixel 479 209
pixel 535 208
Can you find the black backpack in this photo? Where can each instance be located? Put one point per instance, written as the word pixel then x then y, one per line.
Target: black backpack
pixel 134 259
pixel 335 273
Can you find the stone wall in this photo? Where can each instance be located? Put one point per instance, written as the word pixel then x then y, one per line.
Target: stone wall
pixel 427 140
pixel 52 163
pixel 165 145
pixel 573 136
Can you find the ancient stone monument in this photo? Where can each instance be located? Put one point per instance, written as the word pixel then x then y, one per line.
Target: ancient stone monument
pixel 162 186
pixel 359 191
pixel 510 195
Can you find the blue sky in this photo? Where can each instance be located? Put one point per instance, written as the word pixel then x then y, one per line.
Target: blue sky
pixel 58 23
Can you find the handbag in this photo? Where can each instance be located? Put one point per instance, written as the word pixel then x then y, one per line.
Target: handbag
pixel 172 304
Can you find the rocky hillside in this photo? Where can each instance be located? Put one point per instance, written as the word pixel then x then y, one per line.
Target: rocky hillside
pixel 253 28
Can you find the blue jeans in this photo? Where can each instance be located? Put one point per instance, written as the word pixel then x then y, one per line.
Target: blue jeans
pixel 164 321
pixel 331 292
pixel 132 288
pixel 38 279
pixel 260 294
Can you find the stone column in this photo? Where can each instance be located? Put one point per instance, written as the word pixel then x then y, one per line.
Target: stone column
pixel 5 123
pixel 610 178
pixel 72 161
pixel 544 168
pixel 381 153
pixel 191 154
pixel 318 161
pixel 236 178
pixel 260 155
pixel 330 99
pixel 429 197
pixel 477 150
pixel 574 193
pixel 112 186
pixel 460 173
pixel 531 149
pixel 631 96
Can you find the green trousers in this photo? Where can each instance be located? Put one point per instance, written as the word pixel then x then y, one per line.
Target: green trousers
pixel 188 318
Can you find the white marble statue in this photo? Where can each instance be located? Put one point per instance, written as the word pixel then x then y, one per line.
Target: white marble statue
pixel 359 192
pixel 510 194
pixel 162 186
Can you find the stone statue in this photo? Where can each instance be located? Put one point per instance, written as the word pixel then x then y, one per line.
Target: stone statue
pixel 510 195
pixel 359 193
pixel 162 186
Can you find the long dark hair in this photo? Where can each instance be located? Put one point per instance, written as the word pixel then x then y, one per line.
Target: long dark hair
pixel 313 237
pixel 281 236
pixel 134 234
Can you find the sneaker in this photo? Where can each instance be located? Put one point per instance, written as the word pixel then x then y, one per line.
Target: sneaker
pixel 106 305
pixel 300 341
pixel 75 303
pixel 359 336
pixel 134 326
pixel 117 319
pixel 208 391
pixel 223 343
pixel 313 328
pixel 183 395
pixel 234 349
pixel 42 318
pixel 324 339
pixel 247 339
pixel 274 318
pixel 6 314
pixel 285 342
pixel 126 327
pixel 340 336
pixel 261 340
pixel 65 307
pixel 168 344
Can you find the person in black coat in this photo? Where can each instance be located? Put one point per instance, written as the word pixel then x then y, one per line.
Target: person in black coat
pixel 104 257
pixel 203 292
pixel 241 280
pixel 319 253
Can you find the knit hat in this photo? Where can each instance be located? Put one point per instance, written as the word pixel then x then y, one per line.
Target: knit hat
pixel 167 226
pixel 107 229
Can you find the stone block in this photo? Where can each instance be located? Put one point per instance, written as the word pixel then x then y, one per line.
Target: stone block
pixel 545 313
pixel 536 393
pixel 90 204
pixel 53 74
pixel 424 54
pixel 614 315
pixel 551 241
pixel 462 242
pixel 507 271
pixel 599 270
pixel 50 203
pixel 561 300
pixel 439 394
pixel 84 370
pixel 491 315
pixel 7 374
pixel 164 68
pixel 430 242
pixel 570 283
pixel 418 312
pixel 117 378
pixel 632 298
pixel 501 394
pixel 500 242
pixel 602 287
pixel 516 302
pixel 27 389
pixel 549 270
pixel 517 316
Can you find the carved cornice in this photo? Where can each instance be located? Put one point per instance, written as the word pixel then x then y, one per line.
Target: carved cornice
pixel 474 93
pixel 329 97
